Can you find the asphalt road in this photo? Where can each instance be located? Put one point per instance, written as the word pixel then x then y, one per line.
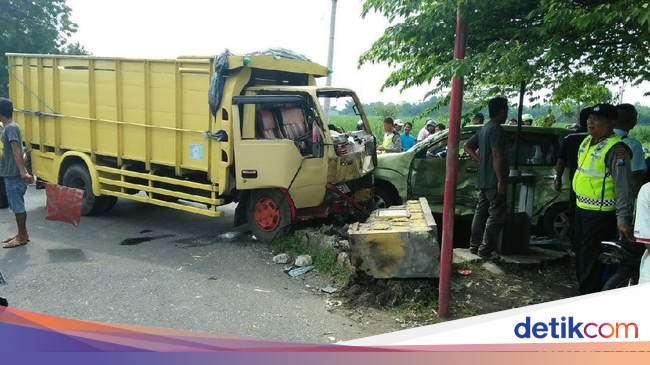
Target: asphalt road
pixel 198 274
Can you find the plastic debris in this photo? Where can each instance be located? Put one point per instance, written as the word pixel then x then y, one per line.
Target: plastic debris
pixel 465 272
pixel 295 272
pixel 282 258
pixel 328 289
pixel 63 204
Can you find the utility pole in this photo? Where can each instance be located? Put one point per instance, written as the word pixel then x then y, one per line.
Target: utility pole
pixel 330 59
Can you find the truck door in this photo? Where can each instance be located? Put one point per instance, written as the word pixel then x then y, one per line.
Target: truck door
pixel 276 148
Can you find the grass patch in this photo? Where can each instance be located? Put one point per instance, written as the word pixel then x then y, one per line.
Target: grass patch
pixel 460 309
pixel 324 258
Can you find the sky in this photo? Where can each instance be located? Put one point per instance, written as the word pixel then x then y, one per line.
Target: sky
pixel 168 29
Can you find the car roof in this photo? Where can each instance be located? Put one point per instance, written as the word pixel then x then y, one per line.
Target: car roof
pixel 525 129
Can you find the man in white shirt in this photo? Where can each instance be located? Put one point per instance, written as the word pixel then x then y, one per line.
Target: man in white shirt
pixel 427 130
pixel 642 231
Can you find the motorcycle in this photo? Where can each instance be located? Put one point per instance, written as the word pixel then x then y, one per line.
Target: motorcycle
pixel 624 259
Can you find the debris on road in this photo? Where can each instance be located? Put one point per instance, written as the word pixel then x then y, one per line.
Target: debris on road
pixel 397 242
pixel 303 260
pixel 329 289
pixel 295 272
pixel 492 268
pixel 343 259
pixel 282 258
pixel 465 272
pixel 262 291
pixel 334 303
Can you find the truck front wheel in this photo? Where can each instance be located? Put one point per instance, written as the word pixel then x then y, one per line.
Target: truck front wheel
pixel 77 176
pixel 269 214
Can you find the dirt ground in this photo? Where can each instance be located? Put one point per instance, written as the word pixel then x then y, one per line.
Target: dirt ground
pixel 398 304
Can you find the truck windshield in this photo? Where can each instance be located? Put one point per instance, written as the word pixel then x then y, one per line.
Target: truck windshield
pixel 344 111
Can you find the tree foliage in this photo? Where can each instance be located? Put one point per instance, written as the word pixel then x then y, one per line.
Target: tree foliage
pixel 75 49
pixel 34 26
pixel 389 110
pixel 544 43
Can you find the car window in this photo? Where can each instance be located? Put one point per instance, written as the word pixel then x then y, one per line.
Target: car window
pixel 534 150
pixel 439 149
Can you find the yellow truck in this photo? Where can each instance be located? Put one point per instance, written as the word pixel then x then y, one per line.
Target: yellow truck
pixel 142 130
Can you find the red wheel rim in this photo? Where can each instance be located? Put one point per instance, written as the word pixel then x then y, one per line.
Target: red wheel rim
pixel 267 215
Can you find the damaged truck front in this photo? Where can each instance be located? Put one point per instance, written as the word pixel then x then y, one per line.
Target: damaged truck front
pixel 142 130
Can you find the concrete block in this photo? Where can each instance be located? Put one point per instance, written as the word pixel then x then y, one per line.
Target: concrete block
pixel 462 256
pixel 397 242
pixel 492 269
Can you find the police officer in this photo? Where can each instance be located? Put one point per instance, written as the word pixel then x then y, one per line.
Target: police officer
pixel 392 141
pixel 602 184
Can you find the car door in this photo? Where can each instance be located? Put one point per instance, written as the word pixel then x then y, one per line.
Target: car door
pixel 538 156
pixel 428 174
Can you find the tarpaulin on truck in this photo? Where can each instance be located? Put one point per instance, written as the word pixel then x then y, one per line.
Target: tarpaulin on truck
pixel 217 82
pixel 221 68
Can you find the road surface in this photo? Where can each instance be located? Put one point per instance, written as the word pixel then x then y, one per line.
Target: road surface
pixel 196 274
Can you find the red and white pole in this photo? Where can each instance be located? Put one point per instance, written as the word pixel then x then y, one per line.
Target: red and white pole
pixel 449 206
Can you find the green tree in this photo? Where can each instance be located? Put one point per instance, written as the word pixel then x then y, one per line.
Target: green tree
pixel 389 110
pixel 571 103
pixel 542 43
pixel 34 26
pixel 75 49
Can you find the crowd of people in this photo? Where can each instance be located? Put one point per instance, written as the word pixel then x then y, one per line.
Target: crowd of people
pixel 607 169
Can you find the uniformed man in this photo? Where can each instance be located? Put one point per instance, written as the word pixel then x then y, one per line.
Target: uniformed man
pixel 392 141
pixel 602 184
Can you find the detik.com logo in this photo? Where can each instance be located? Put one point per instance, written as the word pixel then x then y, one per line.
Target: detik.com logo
pixel 571 329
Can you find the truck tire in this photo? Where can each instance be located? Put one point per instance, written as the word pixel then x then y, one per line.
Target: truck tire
pixel 77 176
pixel 556 221
pixel 269 214
pixel 108 204
pixel 4 203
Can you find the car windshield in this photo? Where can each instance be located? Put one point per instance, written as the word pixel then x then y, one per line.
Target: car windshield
pixel 431 139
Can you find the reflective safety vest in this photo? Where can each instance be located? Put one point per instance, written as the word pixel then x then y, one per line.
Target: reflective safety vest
pixel 388 141
pixel 592 182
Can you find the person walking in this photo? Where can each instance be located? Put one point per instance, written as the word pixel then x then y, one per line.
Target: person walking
pixel 491 141
pixel 14 173
pixel 602 183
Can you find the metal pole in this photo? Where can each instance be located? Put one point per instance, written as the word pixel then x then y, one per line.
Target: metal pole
pixel 330 59
pixel 449 206
pixel 520 112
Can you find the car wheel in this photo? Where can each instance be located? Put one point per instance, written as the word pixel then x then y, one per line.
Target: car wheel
pixel 557 222
pixel 383 198
pixel 621 280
